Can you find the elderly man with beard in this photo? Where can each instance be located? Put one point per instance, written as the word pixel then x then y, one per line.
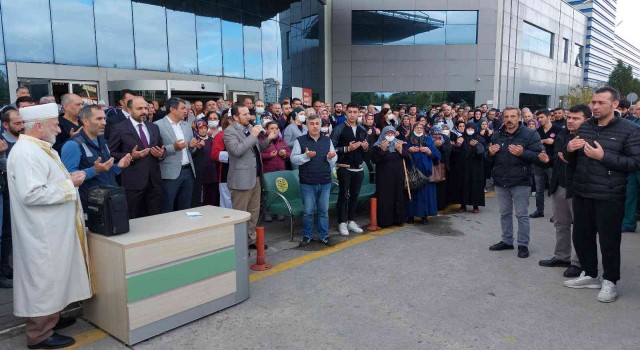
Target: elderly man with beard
pixel 88 151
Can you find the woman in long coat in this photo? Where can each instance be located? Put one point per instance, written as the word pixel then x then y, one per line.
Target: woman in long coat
pixel 443 143
pixel 388 154
pixel 423 152
pixel 471 158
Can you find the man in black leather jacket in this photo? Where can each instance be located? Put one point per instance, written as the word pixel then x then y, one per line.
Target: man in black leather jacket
pixel 512 150
pixel 605 150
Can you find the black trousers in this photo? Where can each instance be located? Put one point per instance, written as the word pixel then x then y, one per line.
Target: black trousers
pixel 349 183
pixel 593 217
pixel 6 235
pixel 144 202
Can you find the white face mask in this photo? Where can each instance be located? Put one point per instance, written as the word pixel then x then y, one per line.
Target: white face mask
pixel 419 134
pixel 359 120
pixel 265 121
pixel 259 110
pixel 324 129
pixel 470 132
pixel 302 118
pixel 390 138
pixel 446 132
pixel 392 117
pixel 213 123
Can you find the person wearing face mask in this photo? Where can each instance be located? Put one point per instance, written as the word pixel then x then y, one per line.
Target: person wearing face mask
pixel 259 108
pixel 388 153
pixel 469 172
pixel 386 119
pixel 274 156
pixel 424 153
pixel 210 179
pixel 296 129
pixel 372 136
pixel 325 129
pixel 443 144
pixel 201 134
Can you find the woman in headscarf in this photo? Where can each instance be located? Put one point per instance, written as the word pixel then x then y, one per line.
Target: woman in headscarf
pixel 372 136
pixel 200 129
pixel 220 155
pixel 274 156
pixel 423 152
pixel 404 129
pixel 388 154
pixel 386 119
pixel 471 169
pixel 456 176
pixel 210 185
pixel 443 143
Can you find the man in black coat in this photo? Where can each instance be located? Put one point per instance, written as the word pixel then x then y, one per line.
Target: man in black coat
pixel 561 192
pixel 142 180
pixel 120 114
pixel 512 150
pixel 605 150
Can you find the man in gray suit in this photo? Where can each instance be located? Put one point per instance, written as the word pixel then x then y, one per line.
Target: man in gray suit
pixel 245 165
pixel 178 172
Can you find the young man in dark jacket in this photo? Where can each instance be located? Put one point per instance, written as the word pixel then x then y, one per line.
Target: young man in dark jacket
pixel 560 190
pixel 605 150
pixel 512 150
pixel 350 142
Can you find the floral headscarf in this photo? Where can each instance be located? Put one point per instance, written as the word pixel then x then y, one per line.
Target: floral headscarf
pixel 195 125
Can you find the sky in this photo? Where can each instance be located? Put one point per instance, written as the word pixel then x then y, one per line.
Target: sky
pixel 629 29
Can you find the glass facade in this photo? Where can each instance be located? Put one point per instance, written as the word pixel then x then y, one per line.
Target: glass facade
pixel 537 40
pixel 422 99
pixel 278 42
pixel 386 27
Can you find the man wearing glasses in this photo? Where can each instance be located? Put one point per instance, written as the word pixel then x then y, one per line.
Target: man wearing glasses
pixel 548 132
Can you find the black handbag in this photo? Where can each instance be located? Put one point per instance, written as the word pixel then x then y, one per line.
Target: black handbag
pixel 415 178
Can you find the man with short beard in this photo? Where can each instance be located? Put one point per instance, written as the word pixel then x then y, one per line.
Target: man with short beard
pixel 88 151
pixel 69 123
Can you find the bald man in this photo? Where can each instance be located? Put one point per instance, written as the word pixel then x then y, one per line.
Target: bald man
pixel 69 122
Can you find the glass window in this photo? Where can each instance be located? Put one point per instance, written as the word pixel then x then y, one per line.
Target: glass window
pixel 27 37
pixel 458 34
pixel 209 36
pixel 88 92
pixel 565 49
pixel 579 54
pixel 252 46
pixel 399 27
pixel 74 37
pixel 2 60
pixel 537 40
pixel 181 33
pixel 431 28
pixel 149 24
pixel 271 50
pixel 462 17
pixel 114 42
pixel 366 28
pixel 232 43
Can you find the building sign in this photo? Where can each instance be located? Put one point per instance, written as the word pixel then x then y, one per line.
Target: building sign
pixel 306 97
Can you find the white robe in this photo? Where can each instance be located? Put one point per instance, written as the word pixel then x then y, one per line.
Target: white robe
pixel 50 269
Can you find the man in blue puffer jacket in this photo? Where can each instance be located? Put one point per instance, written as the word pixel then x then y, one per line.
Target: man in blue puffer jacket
pixel 513 149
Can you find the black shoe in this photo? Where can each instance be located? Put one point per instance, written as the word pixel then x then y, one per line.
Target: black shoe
pixel 425 220
pixel 64 322
pixel 552 219
pixel 627 229
pixel 536 214
pixel 553 262
pixel 411 220
pixel 6 283
pixel 327 242
pixel 523 252
pixel 572 272
pixel 304 242
pixel 501 246
pixel 254 246
pixel 55 341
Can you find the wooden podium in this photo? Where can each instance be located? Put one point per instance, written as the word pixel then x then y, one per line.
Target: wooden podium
pixel 169 270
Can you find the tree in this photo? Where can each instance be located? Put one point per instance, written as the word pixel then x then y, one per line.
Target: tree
pixel 578 95
pixel 621 79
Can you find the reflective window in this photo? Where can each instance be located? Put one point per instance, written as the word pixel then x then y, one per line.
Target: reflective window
pixel 386 27
pixel 271 51
pixel 209 36
pixel 114 42
pixel 422 99
pixel 578 51
pixel 150 30
pixel 4 86
pixel 537 40
pixel 181 33
pixel 232 43
pixel 565 50
pixel 2 60
pixel 27 30
pixel 73 36
pixel 252 46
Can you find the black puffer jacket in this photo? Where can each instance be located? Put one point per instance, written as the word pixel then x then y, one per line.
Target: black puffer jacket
pixel 509 170
pixel 606 179
pixel 562 172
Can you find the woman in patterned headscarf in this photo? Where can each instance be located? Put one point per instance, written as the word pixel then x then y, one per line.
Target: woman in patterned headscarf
pixel 424 152
pixel 200 129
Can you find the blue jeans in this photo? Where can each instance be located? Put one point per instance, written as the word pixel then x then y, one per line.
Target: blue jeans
pixel 315 199
pixel 176 194
pixel 517 196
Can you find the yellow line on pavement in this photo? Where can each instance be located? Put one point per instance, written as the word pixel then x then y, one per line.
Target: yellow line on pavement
pixel 254 277
pixel 87 337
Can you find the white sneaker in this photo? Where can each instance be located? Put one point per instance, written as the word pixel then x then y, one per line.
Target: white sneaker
pixel 352 226
pixel 608 293
pixel 342 228
pixel 583 281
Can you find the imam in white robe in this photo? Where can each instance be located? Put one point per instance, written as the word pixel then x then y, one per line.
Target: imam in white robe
pixel 49 239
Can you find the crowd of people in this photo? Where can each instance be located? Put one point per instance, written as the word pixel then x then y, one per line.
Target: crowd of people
pixel 180 154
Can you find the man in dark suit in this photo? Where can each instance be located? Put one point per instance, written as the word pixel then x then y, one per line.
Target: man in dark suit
pixel 119 114
pixel 141 180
